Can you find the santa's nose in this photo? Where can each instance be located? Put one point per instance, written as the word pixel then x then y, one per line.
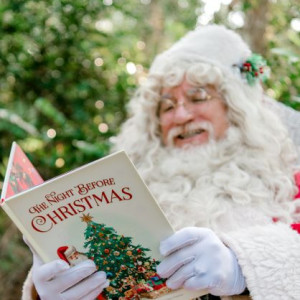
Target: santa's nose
pixel 182 114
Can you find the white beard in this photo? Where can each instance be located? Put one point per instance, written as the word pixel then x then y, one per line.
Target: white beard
pixel 220 185
pixel 75 261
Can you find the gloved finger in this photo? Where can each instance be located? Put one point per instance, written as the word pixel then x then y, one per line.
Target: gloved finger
pixel 25 240
pixel 28 244
pixel 181 239
pixel 36 258
pixel 180 276
pixel 84 287
pixel 169 266
pixel 96 292
pixel 37 261
pixel 49 270
pixel 177 259
pixel 198 282
pixel 74 275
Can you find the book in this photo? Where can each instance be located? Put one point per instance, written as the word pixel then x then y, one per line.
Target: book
pixel 101 211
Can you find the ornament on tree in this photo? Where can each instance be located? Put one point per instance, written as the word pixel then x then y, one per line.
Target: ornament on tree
pixel 141 269
pixel 111 290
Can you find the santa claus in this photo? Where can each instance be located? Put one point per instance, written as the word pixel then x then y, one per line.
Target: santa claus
pixel 221 165
pixel 71 255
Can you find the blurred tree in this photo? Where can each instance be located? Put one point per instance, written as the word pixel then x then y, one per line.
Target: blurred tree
pixel 68 67
pixel 272 29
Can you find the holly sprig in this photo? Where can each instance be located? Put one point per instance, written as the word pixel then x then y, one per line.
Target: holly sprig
pixel 255 69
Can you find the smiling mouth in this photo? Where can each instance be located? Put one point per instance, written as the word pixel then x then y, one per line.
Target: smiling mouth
pixel 190 134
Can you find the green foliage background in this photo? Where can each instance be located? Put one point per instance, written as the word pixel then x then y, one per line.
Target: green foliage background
pixel 71 67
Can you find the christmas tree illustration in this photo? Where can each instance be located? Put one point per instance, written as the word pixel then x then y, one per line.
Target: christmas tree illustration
pixel 128 267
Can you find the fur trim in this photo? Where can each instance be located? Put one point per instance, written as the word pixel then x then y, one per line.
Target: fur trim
pixel 28 290
pixel 269 258
pixel 204 44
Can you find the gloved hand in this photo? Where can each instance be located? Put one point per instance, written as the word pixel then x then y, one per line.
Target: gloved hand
pixel 196 259
pixel 57 280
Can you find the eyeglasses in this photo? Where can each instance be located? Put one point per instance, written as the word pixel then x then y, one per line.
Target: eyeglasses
pixel 194 96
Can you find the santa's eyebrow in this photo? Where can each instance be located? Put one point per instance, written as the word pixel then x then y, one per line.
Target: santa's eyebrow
pixel 195 90
pixel 165 99
pixel 166 96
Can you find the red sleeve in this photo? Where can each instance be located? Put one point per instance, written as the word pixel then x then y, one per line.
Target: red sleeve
pixel 297 181
pixel 296 227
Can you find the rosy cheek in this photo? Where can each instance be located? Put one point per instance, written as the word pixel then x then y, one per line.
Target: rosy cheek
pixel 222 128
pixel 164 124
pixel 164 134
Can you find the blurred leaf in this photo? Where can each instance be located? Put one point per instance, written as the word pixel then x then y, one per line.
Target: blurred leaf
pixel 294 37
pixel 287 53
pixel 18 121
pixel 46 107
pixel 94 149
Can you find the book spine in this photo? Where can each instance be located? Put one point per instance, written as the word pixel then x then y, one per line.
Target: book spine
pixel 27 235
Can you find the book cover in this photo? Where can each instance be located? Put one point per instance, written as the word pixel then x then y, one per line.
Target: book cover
pixel 20 173
pixel 102 211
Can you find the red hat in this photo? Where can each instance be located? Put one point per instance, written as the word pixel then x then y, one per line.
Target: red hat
pixel 61 253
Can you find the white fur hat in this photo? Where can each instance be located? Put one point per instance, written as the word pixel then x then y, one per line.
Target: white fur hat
pixel 212 43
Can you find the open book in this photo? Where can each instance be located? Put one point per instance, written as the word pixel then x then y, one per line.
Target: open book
pixel 102 211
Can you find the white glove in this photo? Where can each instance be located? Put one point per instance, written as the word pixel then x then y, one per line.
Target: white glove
pixel 196 259
pixel 57 280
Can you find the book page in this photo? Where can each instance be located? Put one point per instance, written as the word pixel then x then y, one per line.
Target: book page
pixel 20 174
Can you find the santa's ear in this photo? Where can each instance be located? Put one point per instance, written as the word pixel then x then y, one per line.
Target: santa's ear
pixel 61 253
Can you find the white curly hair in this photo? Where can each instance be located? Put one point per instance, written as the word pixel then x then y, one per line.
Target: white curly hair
pixel 249 174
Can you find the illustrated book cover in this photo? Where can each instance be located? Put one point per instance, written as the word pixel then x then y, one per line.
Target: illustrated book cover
pixel 101 211
pixel 20 174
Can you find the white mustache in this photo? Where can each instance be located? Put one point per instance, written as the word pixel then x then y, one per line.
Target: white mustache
pixel 184 129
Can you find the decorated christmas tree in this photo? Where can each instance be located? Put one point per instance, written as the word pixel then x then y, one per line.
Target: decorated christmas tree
pixel 130 270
